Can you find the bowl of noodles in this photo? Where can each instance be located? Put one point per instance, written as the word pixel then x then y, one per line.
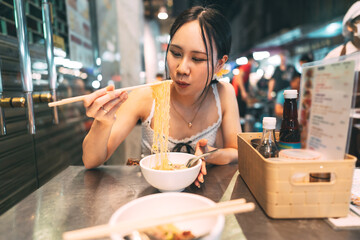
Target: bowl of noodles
pixel 168 172
pixel 164 204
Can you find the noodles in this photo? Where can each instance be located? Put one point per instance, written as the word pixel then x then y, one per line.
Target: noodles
pixel 169 231
pixel 161 94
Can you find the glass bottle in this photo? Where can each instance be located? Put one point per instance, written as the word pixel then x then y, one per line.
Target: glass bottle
pixel 268 147
pixel 289 131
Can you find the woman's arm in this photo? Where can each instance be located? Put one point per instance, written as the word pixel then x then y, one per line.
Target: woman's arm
pixel 137 107
pixel 241 84
pixel 111 126
pixel 102 106
pixel 278 109
pixel 230 127
pixel 270 88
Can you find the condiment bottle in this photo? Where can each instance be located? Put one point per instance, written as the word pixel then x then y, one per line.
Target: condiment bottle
pixel 289 131
pixel 267 146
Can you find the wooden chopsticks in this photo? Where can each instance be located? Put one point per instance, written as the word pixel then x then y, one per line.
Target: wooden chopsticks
pixel 81 98
pixel 126 227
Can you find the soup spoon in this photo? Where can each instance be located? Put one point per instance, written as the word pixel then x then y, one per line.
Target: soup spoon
pixel 192 161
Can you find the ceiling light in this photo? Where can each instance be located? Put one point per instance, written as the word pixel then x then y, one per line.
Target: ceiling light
pixel 333 27
pixel 98 61
pixel 95 84
pixel 261 55
pixel 236 71
pixel 241 61
pixel 162 13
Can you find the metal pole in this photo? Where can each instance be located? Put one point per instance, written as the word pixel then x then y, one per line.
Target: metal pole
pixel 49 44
pixel 25 62
pixel 94 35
pixel 2 114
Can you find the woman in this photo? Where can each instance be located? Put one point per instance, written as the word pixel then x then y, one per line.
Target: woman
pixel 350 31
pixel 203 112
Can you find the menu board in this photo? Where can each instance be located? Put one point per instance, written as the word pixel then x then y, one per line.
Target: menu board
pixel 79 31
pixel 325 106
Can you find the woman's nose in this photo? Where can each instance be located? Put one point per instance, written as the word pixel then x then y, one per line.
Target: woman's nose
pixel 183 67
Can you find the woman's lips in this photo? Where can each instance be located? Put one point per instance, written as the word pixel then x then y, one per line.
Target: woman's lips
pixel 182 84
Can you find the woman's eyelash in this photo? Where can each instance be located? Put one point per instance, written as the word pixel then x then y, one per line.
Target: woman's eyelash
pixel 199 59
pixel 178 54
pixel 175 53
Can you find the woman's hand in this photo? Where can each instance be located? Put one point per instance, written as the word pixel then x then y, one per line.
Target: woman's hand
pixel 103 104
pixel 201 148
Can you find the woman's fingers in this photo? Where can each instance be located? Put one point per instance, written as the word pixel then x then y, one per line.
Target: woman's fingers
pixel 200 177
pixel 201 146
pixel 112 106
pixel 203 142
pixel 104 103
pixel 89 99
pixel 107 108
pixel 103 100
pixel 203 168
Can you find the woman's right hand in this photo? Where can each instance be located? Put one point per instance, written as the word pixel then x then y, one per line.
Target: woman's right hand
pixel 103 104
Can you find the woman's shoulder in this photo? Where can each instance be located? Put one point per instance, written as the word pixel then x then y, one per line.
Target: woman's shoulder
pixel 225 88
pixel 226 94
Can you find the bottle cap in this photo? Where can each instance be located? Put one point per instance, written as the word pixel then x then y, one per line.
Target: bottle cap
pixel 269 122
pixel 290 94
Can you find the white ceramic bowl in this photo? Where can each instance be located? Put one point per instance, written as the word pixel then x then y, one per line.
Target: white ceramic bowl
pixel 161 204
pixel 170 180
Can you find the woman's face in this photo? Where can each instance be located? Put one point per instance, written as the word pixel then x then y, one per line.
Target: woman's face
pixel 187 59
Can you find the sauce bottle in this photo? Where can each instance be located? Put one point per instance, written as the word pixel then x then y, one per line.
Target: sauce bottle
pixel 289 131
pixel 267 146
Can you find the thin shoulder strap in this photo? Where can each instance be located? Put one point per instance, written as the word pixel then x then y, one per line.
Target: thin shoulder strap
pixel 343 50
pixel 217 99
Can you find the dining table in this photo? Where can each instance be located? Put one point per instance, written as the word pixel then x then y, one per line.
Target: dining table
pixel 79 198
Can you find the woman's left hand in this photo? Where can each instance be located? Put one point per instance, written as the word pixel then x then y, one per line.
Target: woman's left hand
pixel 201 148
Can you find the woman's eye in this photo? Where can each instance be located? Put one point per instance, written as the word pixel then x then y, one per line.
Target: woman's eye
pixel 175 54
pixel 199 59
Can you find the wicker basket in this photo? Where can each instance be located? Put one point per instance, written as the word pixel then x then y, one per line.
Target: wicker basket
pixel 276 187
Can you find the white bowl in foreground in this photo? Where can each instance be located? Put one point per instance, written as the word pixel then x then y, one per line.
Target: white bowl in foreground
pixel 170 180
pixel 162 204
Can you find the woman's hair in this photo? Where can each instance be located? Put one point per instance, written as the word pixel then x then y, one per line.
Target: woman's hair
pixel 214 28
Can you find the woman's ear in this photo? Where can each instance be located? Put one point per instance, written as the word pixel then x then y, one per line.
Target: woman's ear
pixel 221 62
pixel 350 27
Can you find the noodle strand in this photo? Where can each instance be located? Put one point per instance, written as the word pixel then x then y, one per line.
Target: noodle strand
pixel 161 94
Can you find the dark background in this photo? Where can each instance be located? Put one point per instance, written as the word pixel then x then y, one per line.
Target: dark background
pixel 254 21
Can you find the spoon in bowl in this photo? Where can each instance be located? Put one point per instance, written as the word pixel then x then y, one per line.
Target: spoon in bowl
pixel 192 161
